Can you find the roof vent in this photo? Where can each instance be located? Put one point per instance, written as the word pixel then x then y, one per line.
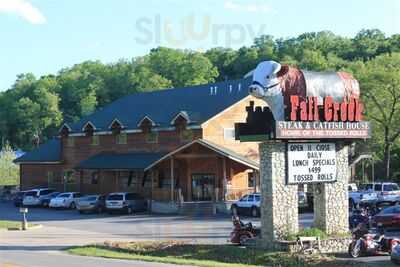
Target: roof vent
pixel 211 90
pixel 215 90
pixel 239 87
pixel 230 88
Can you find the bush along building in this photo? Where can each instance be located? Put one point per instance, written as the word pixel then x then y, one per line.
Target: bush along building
pixel 175 147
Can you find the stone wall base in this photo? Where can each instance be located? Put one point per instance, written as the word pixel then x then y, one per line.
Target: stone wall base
pixel 164 207
pixel 333 245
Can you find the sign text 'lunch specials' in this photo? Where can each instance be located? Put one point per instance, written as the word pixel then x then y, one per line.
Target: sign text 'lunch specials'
pixel 311 162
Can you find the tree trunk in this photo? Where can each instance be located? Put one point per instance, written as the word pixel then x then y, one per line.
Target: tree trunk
pixel 387 161
pixel 386 152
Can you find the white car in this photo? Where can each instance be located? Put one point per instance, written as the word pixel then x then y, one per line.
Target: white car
pixel 247 204
pixel 65 200
pixel 34 197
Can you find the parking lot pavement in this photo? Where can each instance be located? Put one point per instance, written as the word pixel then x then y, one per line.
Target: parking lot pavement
pixel 68 227
pixel 24 258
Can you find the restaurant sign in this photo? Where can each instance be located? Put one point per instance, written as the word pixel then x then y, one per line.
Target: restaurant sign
pixel 311 163
pixel 332 121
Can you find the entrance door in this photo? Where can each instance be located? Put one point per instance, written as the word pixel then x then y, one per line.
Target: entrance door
pixel 202 187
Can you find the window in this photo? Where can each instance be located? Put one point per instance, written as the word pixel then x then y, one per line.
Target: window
pixel 70 141
pixel 115 197
pixel 129 179
pixel 244 198
pixel 95 178
pixel 388 211
pixel 390 187
pixel 132 196
pixel 229 133
pixel 258 198
pixel 186 135
pixel 378 187
pixel 152 137
pixel 50 177
pixel 69 177
pixel 250 198
pixel 251 179
pixel 121 139
pixel 95 140
pixel 45 192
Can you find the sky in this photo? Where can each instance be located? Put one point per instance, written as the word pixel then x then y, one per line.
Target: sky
pixel 44 36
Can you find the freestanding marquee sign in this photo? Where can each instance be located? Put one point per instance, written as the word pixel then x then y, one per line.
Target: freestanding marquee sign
pixel 311 163
pixel 305 129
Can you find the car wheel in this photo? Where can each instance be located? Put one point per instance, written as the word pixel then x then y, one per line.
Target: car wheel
pixel 99 210
pixel 254 212
pixel 72 205
pixel 45 205
pixel 355 249
pixel 81 211
pixel 234 210
pixel 129 210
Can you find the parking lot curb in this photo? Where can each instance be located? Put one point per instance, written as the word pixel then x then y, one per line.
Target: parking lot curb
pixel 33 227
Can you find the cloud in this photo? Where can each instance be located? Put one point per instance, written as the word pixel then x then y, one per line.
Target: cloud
pixel 249 7
pixel 23 9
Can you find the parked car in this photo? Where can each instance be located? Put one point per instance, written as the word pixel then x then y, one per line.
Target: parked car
pixel 387 218
pixel 248 204
pixel 65 200
pixel 18 198
pixel 91 203
pixel 395 254
pixel 387 192
pixel 34 197
pixel 124 201
pixel 361 197
pixel 46 199
pixel 303 201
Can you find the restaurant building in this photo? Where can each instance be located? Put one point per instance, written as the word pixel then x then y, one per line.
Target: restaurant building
pixel 172 146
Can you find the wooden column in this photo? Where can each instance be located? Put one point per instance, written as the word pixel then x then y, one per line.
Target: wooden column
pixel 80 181
pixel 172 178
pixel 255 180
pixel 188 181
pixel 152 174
pixel 225 181
pixel 117 181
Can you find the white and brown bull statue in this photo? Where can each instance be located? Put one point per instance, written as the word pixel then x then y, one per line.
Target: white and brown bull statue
pixel 275 83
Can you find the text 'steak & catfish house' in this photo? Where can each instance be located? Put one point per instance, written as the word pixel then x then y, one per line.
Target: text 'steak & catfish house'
pixel 172 146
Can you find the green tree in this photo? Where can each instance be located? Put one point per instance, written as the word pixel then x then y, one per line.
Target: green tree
pixel 9 171
pixel 380 84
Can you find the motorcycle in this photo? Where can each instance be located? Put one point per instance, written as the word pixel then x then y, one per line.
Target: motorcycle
pixel 365 242
pixel 242 232
pixel 357 217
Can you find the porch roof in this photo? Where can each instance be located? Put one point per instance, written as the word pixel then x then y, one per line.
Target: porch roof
pixel 217 148
pixel 114 161
pixel 47 153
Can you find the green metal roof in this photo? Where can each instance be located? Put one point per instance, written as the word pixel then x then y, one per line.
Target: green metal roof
pixel 49 152
pixel 114 161
pixel 199 103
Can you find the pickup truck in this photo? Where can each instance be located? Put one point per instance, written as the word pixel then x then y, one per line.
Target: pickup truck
pixel 357 197
pixel 387 192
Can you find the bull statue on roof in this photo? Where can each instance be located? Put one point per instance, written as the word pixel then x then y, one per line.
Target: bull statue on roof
pixel 275 83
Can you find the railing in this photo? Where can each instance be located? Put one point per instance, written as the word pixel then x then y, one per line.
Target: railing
pixel 164 194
